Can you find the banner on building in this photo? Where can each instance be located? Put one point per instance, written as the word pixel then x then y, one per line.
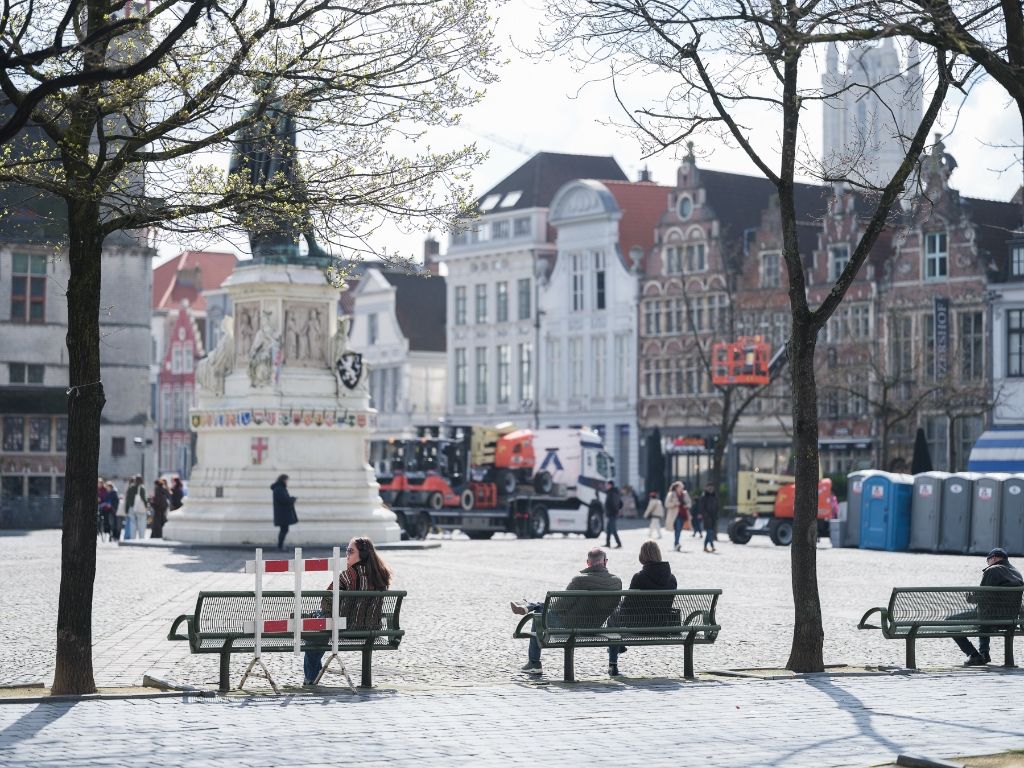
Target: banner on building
pixel 941 337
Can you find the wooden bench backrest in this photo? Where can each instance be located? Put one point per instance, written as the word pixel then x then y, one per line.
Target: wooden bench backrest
pixel 964 605
pixel 638 608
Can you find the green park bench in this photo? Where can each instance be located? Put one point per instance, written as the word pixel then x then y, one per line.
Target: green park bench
pixel 915 613
pixel 593 619
pixel 218 625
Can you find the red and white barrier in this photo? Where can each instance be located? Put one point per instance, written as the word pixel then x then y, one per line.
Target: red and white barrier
pixel 283 626
pixel 287 566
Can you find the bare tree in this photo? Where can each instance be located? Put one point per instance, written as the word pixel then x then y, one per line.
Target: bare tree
pixel 360 82
pixel 734 70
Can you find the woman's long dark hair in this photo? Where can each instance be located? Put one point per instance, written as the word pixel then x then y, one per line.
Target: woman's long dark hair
pixel 378 572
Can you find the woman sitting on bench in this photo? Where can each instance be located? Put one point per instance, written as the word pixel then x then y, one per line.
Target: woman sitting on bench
pixel 655 573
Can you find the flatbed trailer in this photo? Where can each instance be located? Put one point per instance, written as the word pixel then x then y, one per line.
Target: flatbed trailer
pixel 527 515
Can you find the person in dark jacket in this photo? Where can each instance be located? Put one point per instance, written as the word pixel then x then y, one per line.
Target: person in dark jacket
pixel 158 502
pixel 997 573
pixel 177 493
pixel 707 506
pixel 568 611
pixel 635 611
pixel 612 507
pixel 284 509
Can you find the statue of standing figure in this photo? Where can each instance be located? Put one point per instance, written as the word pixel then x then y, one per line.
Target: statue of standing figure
pixel 263 353
pixel 265 158
pixel 214 368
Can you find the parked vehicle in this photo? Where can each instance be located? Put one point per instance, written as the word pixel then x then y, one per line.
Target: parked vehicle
pixel 764 507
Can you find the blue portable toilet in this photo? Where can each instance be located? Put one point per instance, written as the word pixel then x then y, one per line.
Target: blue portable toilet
pixel 854 497
pixel 885 512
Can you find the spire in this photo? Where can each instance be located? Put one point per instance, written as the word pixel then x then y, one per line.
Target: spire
pixel 832 59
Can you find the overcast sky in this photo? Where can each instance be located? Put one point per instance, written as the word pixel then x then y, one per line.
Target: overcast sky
pixel 547 106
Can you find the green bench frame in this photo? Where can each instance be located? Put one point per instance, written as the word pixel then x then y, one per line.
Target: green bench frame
pixel 205 636
pixel 916 613
pixel 697 625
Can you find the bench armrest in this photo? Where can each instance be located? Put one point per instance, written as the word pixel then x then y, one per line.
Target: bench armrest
pixel 519 634
pixel 863 619
pixel 174 635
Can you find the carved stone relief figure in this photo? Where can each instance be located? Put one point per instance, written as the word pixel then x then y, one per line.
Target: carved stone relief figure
pixel 304 334
pixel 212 369
pixel 247 322
pixel 313 336
pixel 263 351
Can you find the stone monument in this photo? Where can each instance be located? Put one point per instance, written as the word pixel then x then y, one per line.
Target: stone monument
pixel 281 394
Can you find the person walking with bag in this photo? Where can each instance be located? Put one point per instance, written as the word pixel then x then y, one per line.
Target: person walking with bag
pixel 284 508
pixel 612 507
pixel 656 513
pixel 677 505
pixel 137 509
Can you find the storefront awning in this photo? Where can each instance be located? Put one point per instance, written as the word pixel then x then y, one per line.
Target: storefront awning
pixel 998 450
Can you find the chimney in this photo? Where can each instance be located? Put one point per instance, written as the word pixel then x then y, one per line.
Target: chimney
pixel 431 250
pixel 645 174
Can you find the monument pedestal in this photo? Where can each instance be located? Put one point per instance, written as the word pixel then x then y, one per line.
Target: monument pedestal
pixel 270 401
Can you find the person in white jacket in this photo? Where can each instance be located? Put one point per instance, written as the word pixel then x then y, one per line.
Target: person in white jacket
pixel 677 505
pixel 656 513
pixel 137 509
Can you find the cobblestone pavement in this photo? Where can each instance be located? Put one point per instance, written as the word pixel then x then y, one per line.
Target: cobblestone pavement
pixel 812 722
pixel 457 614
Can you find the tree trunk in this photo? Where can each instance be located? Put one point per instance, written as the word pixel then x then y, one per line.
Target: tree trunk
pixel 74 673
pixel 808 637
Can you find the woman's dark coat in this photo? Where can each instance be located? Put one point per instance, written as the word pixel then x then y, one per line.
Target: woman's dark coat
pixel 284 505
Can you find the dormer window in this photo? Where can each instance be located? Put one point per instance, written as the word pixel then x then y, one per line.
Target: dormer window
pixel 489 202
pixel 511 199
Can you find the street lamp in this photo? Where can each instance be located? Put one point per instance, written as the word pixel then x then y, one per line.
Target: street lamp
pixel 141 443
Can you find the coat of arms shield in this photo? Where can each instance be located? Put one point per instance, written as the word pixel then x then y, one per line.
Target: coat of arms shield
pixel 350 369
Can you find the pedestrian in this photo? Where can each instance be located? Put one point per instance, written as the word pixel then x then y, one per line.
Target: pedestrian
pixel 365 571
pixel 707 504
pixel 639 611
pixel 137 508
pixel 656 513
pixel 696 520
pixel 677 508
pixel 612 507
pixel 177 493
pixel 284 508
pixel 158 502
pixel 117 515
pixel 629 502
pixel 105 512
pixel 594 577
pixel 997 573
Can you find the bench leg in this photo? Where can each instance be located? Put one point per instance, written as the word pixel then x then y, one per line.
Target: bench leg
pixel 225 672
pixel 688 661
pixel 1008 650
pixel 911 656
pixel 569 675
pixel 366 680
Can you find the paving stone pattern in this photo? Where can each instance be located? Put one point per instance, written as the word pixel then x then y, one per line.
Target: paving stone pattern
pixel 810 722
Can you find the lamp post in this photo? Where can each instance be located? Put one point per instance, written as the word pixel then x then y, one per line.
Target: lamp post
pixel 141 443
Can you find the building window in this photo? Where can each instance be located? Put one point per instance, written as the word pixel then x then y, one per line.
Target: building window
pixel 62 434
pixel 577 281
pixel 525 372
pixel 770 270
pixel 576 367
pixel 622 365
pixel 972 346
pixel 685 206
pixel 553 364
pixel 14 434
pixel 460 305
pixel 504 370
pixel 187 357
pixel 1017 261
pixel 599 280
pixel 481 303
pixel 838 257
pixel 673 260
pixel 460 376
pixel 599 364
pixel 117 447
pixel 523 291
pixel 176 358
pixel 393 390
pixel 936 432
pixel 25 373
pixel 459 237
pixel 481 376
pixel 521 227
pixel 178 416
pixel 652 317
pixel 39 486
pixel 372 328
pixel 501 302
pixel 39 434
pixel 1014 342
pixel 499 230
pixel 936 256
pixel 695 258
pixel 901 337
pixel 28 288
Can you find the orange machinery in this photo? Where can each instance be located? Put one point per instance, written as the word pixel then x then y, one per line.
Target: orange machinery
pixel 743 362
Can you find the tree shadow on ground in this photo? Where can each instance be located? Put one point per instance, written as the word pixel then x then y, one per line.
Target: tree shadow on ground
pixel 32 722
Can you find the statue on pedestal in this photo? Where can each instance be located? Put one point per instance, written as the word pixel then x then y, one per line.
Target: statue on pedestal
pixel 212 369
pixel 264 352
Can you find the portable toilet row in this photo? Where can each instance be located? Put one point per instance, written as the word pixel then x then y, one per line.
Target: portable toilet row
pixel 967 512
pixel 885 501
pixel 854 495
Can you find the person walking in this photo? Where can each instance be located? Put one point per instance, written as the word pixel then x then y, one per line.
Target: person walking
pixel 997 573
pixel 365 571
pixel 635 611
pixel 656 513
pixel 284 508
pixel 177 493
pixel 158 502
pixel 707 505
pixel 696 520
pixel 677 507
pixel 612 507
pixel 116 510
pixel 137 508
pixel 106 522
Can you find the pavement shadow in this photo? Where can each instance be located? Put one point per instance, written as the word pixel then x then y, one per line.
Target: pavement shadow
pixel 33 721
pixel 208 560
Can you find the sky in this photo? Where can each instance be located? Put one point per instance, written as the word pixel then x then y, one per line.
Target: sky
pixel 545 105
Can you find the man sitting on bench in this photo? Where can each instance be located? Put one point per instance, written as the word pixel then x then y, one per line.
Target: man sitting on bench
pixel 997 573
pixel 568 612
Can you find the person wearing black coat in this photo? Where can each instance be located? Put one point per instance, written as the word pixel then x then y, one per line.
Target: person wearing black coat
pixel 284 508
pixel 634 611
pixel 997 573
pixel 707 506
pixel 612 507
